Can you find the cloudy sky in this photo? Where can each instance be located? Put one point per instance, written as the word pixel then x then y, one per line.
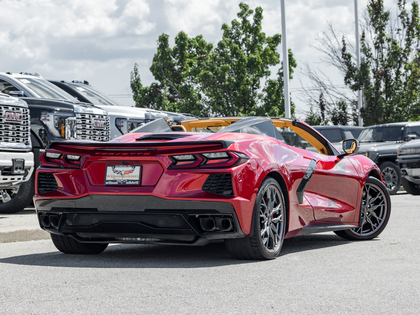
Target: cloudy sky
pixel 100 40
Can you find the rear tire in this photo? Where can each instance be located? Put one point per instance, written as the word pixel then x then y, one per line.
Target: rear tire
pixel 268 225
pixel 68 245
pixel 20 199
pixel 410 187
pixel 374 213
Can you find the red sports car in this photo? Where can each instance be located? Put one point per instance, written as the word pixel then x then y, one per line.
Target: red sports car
pixel 245 185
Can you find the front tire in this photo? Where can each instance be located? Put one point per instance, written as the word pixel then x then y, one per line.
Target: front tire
pixel 268 225
pixel 374 213
pixel 410 187
pixel 21 197
pixel 68 245
pixel 392 176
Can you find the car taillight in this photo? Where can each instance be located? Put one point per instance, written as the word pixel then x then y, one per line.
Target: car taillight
pixel 186 161
pixel 221 159
pixel 58 159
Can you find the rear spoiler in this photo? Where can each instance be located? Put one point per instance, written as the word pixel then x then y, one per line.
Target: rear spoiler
pixel 151 145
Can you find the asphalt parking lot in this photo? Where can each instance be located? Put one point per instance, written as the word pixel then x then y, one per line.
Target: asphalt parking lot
pixel 315 274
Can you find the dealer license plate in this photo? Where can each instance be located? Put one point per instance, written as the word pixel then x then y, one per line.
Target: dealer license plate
pixel 123 175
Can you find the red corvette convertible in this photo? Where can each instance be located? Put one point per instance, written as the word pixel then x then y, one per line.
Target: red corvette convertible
pixel 245 185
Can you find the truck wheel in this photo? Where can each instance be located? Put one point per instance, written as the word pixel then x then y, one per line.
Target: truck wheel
pixel 392 176
pixel 410 187
pixel 20 197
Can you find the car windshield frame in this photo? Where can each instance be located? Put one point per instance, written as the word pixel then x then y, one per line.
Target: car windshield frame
pixel 44 89
pixel 382 134
pixel 94 96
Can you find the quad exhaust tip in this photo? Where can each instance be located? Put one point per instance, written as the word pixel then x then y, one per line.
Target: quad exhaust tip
pixel 50 220
pixel 216 224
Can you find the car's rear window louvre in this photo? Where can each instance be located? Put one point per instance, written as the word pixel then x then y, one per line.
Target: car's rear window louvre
pixel 169 136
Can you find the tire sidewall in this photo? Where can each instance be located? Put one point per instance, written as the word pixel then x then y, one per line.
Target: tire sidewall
pixel 20 200
pixel 385 191
pixel 397 170
pixel 256 219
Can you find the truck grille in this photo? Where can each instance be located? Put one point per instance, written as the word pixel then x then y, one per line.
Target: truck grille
pixel 14 124
pixel 92 127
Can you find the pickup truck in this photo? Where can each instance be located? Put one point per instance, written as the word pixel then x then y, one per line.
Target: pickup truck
pixel 16 158
pixel 380 143
pixel 123 119
pixel 409 162
pixel 55 115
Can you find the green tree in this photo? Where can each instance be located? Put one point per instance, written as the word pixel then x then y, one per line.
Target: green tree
pixel 313 118
pixel 389 75
pixel 198 78
pixel 339 114
pixel 175 70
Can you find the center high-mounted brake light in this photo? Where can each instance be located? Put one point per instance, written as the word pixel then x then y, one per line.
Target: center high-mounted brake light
pixel 222 159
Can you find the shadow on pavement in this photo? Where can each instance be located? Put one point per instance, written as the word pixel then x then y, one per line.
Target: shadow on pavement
pixel 160 256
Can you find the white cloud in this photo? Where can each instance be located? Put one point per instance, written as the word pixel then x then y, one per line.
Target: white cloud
pixel 100 40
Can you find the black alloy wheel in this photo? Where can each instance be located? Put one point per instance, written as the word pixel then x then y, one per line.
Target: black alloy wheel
pixel 374 213
pixel 268 225
pixel 391 175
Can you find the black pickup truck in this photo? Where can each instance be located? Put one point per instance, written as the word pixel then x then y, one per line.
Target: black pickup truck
pixel 409 162
pixel 380 143
pixel 54 114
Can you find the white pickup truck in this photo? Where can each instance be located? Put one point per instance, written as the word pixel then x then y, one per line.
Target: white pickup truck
pixel 16 158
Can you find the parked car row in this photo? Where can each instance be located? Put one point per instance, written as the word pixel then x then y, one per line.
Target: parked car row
pixel 36 111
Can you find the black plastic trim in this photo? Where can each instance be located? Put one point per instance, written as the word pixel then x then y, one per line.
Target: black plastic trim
pixel 311 229
pixel 305 180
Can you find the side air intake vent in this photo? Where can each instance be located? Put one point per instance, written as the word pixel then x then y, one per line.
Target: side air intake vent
pixel 220 184
pixel 46 183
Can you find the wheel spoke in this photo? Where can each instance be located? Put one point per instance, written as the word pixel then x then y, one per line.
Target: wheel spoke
pixel 376 217
pixel 371 223
pixel 373 208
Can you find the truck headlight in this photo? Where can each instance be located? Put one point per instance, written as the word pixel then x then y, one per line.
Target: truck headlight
pixel 409 151
pixel 125 125
pixel 60 124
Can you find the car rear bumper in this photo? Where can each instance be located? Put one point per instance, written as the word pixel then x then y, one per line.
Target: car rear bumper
pixel 139 219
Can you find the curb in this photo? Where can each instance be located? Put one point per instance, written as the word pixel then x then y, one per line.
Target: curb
pixel 23 236
pixel 21 227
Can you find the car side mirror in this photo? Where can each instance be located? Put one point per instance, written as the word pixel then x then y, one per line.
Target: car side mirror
pixel 410 137
pixel 17 93
pixel 350 146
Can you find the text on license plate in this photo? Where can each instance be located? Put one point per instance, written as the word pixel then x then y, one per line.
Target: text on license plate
pixel 123 175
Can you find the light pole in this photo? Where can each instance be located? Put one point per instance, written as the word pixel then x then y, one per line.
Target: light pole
pixel 359 94
pixel 287 112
